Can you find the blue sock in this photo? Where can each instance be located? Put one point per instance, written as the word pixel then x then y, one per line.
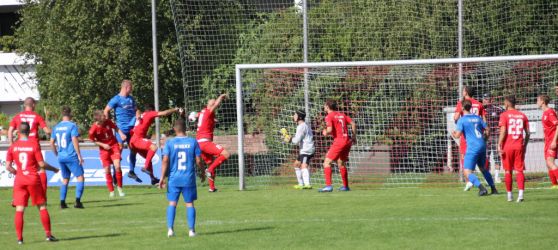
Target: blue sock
pixel 474 179
pixel 132 162
pixel 191 214
pixel 488 178
pixel 171 212
pixel 63 192
pixel 79 189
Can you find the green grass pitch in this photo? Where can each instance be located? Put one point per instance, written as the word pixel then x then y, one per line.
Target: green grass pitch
pixel 279 218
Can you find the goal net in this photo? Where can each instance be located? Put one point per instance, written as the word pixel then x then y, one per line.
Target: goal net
pixel 403 111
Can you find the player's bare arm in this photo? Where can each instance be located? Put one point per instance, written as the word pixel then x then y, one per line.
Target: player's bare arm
pixel 106 111
pixel 217 102
pixel 526 140
pixel 122 135
pixel 164 167
pixel 53 147
pixel 75 141
pixel 10 135
pixel 327 131
pixel 503 131
pixel 168 112
pixel 10 168
pixel 47 131
pixel 354 129
pixel 456 134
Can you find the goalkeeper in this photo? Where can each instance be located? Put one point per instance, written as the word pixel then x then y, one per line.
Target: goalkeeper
pixel 305 139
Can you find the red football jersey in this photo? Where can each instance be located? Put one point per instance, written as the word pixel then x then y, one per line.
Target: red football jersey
pixel 515 124
pixel 146 119
pixel 103 133
pixel 338 122
pixel 26 155
pixel 206 124
pixel 549 122
pixel 477 108
pixel 35 122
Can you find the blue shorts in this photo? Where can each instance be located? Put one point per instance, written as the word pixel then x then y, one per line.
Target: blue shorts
pixel 471 160
pixel 190 194
pixel 128 137
pixel 70 166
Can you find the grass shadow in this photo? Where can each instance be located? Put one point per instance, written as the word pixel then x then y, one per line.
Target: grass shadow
pixel 119 205
pixel 241 230
pixel 85 237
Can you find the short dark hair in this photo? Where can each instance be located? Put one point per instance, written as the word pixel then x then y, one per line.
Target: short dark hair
pixel 467 105
pixel 66 111
pixel 29 101
pixel 545 98
pixel 510 99
pixel 179 126
pixel 24 128
pixel 301 114
pixel 149 107
pixel 331 104
pixel 469 90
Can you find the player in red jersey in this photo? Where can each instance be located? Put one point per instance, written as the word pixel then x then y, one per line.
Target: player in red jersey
pixel 337 125
pixel 28 159
pixel 512 145
pixel 142 145
pixel 210 150
pixel 35 122
pixel 102 134
pixel 476 109
pixel 549 122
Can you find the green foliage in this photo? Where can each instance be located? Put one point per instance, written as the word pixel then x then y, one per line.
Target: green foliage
pixel 5 121
pixel 8 43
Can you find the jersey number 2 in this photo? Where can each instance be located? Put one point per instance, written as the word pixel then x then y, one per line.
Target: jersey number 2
pixel 181 160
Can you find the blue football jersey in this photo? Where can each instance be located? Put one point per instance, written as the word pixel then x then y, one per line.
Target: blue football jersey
pixel 62 134
pixel 182 153
pixel 124 111
pixel 472 127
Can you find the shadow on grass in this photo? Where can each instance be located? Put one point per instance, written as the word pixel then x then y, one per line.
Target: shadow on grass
pixel 119 205
pixel 92 237
pixel 241 230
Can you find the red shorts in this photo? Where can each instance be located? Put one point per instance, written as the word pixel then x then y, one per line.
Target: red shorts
pixel 107 156
pixel 339 150
pixel 209 150
pixel 549 153
pixel 141 146
pixel 23 192
pixel 513 160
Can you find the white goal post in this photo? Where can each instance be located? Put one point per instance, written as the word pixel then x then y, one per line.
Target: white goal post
pixel 496 75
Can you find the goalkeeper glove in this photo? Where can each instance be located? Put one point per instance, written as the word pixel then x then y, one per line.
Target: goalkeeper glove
pixel 286 136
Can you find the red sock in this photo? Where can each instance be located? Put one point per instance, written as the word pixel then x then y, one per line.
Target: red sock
pixel 19 224
pixel 110 187
pixel 43 178
pixel 344 176
pixel 45 219
pixel 212 182
pixel 216 163
pixel 119 178
pixel 327 175
pixel 508 180
pixel 553 174
pixel 520 179
pixel 148 158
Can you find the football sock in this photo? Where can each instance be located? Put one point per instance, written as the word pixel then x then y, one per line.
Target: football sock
pixel 191 216
pixel 553 174
pixel 474 179
pixel 43 178
pixel 327 176
pixel 299 176
pixel 344 176
pixel 108 178
pixel 19 224
pixel 80 186
pixel 488 178
pixel 171 212
pixel 508 180
pixel 496 173
pixel 45 219
pixel 119 179
pixel 305 176
pixel 63 192
pixel 520 194
pixel 520 178
pixel 148 158
pixel 216 163
pixel 132 162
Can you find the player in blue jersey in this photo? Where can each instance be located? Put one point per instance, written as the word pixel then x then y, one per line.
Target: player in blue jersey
pixel 126 113
pixel 475 131
pixel 65 145
pixel 181 157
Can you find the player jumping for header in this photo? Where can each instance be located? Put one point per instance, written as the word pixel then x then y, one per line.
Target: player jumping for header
pixel 142 145
pixel 206 126
pixel 180 157
pixel 337 126
pixel 305 139
pixel 28 159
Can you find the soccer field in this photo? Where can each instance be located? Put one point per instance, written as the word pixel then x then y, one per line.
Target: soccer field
pixel 418 218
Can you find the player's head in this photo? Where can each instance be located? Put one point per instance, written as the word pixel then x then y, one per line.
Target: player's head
pixel 98 116
pixel 29 103
pixel 210 102
pixel 467 105
pixel 509 101
pixel 467 91
pixel 24 129
pixel 66 112
pixel 543 100
pixel 330 105
pixel 179 126
pixel 299 115
pixel 149 107
pixel 486 99
pixel 126 87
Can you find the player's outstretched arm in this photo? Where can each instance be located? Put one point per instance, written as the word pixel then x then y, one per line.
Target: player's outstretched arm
pixel 217 102
pixel 164 167
pixel 168 112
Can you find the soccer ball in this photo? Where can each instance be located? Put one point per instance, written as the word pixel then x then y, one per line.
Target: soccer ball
pixel 193 116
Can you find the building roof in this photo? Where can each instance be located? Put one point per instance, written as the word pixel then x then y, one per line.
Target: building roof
pixel 17 80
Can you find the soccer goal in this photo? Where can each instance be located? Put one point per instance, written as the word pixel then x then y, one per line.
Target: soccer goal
pixel 403 110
